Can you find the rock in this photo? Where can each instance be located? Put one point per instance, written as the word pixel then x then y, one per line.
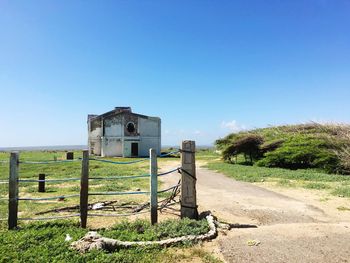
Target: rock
pixel 68 238
pixel 253 242
pixel 97 206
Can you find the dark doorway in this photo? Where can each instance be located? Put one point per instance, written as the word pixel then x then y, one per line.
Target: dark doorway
pixel 134 149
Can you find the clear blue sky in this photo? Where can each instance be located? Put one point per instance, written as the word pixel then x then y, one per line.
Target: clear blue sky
pixel 205 67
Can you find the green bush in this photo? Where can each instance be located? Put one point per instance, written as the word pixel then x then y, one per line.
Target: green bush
pixel 320 146
pixel 248 145
pixel 300 152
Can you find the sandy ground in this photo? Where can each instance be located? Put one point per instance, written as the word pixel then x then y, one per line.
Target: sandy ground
pixel 289 225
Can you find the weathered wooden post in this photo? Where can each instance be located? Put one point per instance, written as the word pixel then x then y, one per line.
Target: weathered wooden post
pixel 13 190
pixel 188 180
pixel 69 155
pixel 84 189
pixel 41 184
pixel 153 186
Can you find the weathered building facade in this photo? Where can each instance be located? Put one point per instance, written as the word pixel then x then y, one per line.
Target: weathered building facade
pixel 121 132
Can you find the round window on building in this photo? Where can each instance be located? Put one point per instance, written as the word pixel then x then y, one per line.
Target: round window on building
pixel 130 127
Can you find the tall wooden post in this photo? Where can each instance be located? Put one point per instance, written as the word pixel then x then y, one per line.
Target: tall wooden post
pixel 153 186
pixel 13 191
pixel 84 189
pixel 188 180
pixel 41 185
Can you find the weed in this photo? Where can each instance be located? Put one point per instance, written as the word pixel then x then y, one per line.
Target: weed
pixel 342 191
pixel 343 208
pixel 315 185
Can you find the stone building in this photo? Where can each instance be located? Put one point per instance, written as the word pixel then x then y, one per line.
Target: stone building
pixel 121 132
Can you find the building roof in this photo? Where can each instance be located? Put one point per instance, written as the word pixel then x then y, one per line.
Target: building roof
pixel 116 111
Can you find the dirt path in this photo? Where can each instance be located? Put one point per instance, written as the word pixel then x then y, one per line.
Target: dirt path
pixel 292 225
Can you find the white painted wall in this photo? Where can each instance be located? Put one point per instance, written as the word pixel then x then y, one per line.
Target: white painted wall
pixel 95 141
pixel 111 146
pixel 113 126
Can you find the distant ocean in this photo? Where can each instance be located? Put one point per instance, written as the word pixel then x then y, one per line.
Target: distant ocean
pixel 74 147
pixel 44 148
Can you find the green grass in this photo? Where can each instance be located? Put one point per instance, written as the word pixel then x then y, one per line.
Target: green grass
pixel 315 185
pixel 255 173
pixel 142 230
pixel 342 191
pixel 286 183
pixel 306 178
pixel 44 242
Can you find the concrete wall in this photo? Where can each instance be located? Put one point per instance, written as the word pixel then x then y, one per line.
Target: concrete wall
pixel 113 126
pixel 95 133
pixel 111 146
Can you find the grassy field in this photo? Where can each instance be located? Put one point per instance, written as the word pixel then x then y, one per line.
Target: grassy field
pixel 338 185
pixel 44 241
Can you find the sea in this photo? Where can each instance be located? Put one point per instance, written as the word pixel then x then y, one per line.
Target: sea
pixel 45 148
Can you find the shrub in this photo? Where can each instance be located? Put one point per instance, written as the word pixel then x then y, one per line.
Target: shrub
pixel 247 145
pixel 312 145
pixel 300 152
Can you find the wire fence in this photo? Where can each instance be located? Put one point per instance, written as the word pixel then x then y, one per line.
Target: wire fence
pixel 64 197
pixel 50 162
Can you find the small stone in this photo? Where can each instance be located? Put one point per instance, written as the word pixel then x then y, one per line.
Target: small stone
pixel 253 242
pixel 138 189
pixel 262 180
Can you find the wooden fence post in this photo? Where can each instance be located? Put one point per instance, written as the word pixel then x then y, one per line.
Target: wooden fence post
pixel 41 185
pixel 69 155
pixel 84 189
pixel 13 191
pixel 188 180
pixel 153 186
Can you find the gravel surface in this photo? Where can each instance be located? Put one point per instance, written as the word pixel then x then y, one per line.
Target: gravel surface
pixel 292 225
